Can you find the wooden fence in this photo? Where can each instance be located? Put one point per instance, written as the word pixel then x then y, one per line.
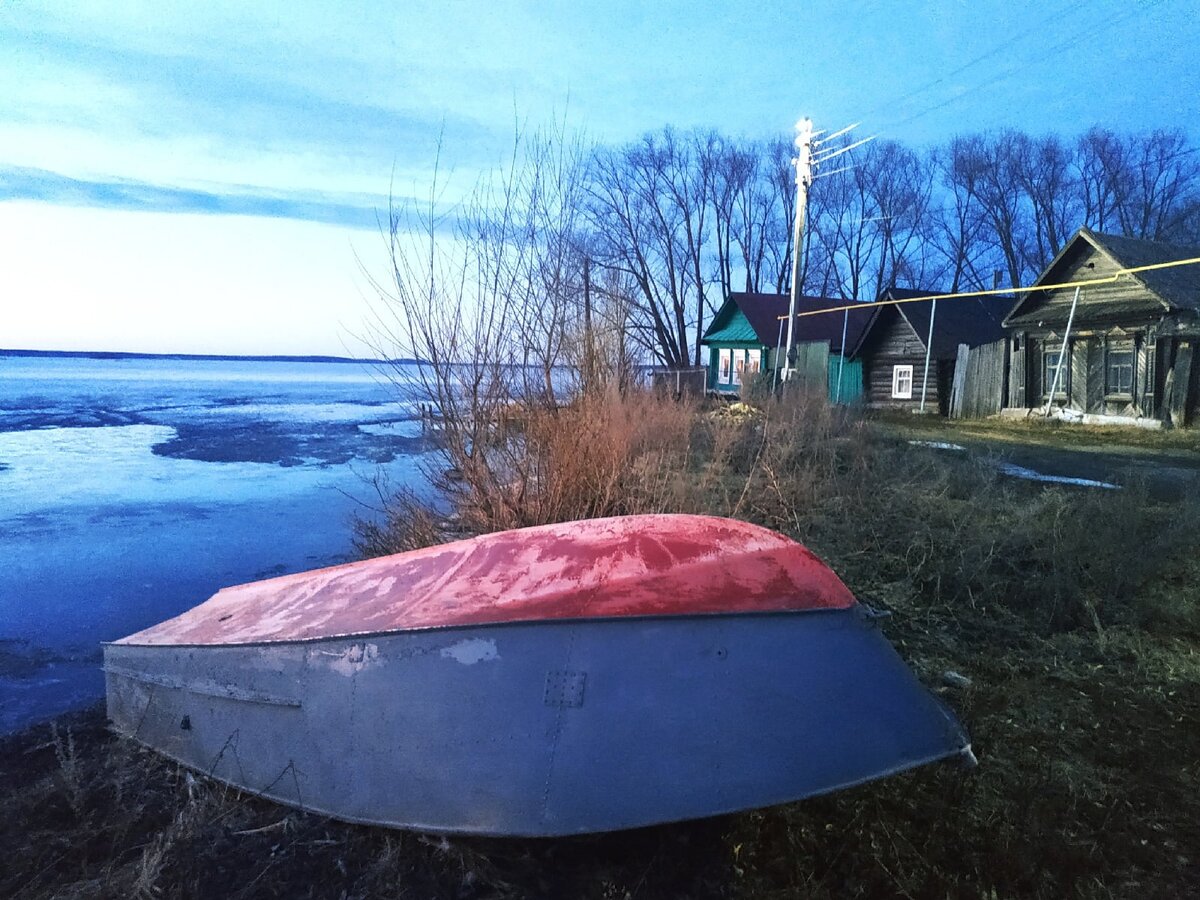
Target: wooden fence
pixel 680 383
pixel 980 375
pixel 811 370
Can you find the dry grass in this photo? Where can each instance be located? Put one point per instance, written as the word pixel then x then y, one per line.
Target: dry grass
pixel 1054 432
pixel 950 528
pixel 1073 613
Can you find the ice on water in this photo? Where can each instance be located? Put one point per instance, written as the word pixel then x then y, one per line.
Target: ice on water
pixel 109 523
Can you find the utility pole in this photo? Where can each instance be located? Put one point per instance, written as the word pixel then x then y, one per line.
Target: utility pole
pixel 803 163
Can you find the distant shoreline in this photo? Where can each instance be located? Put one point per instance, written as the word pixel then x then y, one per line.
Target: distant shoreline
pixel 208 357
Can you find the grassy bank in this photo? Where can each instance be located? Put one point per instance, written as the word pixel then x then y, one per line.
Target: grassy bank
pixel 1036 429
pixel 1073 614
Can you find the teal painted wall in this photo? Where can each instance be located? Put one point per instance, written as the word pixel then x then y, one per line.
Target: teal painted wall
pixel 851 372
pixel 714 364
pixel 851 379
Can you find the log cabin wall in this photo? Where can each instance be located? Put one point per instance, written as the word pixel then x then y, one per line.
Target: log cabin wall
pixel 1091 381
pixel 1124 355
pixel 894 343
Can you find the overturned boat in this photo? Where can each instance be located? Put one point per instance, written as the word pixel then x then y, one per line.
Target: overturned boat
pixel 583 677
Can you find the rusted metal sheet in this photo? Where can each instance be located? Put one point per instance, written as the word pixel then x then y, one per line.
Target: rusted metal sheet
pixel 628 566
pixel 709 667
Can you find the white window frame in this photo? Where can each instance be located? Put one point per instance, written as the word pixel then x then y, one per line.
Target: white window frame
pixel 739 366
pixel 753 361
pixel 1114 347
pixel 899 375
pixel 724 365
pixel 1048 370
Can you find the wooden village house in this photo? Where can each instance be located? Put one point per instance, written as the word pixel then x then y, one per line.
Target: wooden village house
pixel 1131 342
pixel 892 348
pixel 749 330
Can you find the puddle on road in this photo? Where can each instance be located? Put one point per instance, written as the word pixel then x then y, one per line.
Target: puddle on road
pixel 1015 471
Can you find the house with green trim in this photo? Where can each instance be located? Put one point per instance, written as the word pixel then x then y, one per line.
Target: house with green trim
pixel 749 331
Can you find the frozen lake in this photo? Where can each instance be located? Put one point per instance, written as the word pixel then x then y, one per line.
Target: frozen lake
pixel 132 489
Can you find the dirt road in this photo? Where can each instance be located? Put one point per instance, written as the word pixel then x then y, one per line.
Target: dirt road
pixel 1167 474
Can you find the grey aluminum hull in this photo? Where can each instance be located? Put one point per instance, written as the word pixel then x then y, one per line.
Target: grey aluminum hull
pixel 544 728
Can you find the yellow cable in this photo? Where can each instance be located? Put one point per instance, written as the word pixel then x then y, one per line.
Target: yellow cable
pixel 1108 279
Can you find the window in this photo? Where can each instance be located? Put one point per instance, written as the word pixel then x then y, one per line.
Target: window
pixel 902 382
pixel 753 361
pixel 1050 358
pixel 723 368
pixel 739 366
pixel 1118 368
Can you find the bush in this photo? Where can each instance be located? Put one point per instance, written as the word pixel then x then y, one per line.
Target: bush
pixel 604 454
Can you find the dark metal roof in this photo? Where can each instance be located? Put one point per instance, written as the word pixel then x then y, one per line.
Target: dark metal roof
pixel 1175 289
pixel 763 312
pixel 1180 287
pixel 965 320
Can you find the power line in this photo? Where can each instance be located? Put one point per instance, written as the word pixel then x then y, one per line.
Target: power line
pixel 1021 64
pixel 1108 279
pixel 1057 14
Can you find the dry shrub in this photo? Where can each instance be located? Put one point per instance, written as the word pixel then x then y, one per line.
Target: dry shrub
pixel 607 455
pixel 940 527
pixel 604 454
pixel 403 521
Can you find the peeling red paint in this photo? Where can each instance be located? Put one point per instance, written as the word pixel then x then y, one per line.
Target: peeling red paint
pixel 628 566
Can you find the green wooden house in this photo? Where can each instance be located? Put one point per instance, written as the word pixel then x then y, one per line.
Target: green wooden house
pixel 749 331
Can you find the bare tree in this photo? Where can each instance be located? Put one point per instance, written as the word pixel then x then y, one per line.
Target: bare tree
pixel 1099 160
pixel 1044 170
pixel 485 295
pixel 1162 204
pixel 649 212
pixel 752 195
pixel 957 228
pixel 869 222
pixel 901 188
pixel 982 167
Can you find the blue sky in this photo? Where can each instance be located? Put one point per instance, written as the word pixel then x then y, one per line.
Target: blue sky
pixel 204 177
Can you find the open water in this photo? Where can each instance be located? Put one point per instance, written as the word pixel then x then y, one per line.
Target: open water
pixel 133 489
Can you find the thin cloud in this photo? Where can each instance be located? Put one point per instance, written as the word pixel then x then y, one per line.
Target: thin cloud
pixel 359 211
pixel 243 103
pixel 40 185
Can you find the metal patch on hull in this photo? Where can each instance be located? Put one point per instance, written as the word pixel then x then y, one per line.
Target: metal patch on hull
pixel 564 688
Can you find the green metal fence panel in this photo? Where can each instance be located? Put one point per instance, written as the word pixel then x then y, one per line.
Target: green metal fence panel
pixel 845 379
pixel 810 372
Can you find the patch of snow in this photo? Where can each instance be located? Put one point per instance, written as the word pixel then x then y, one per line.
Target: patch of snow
pixel 1030 475
pixel 938 445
